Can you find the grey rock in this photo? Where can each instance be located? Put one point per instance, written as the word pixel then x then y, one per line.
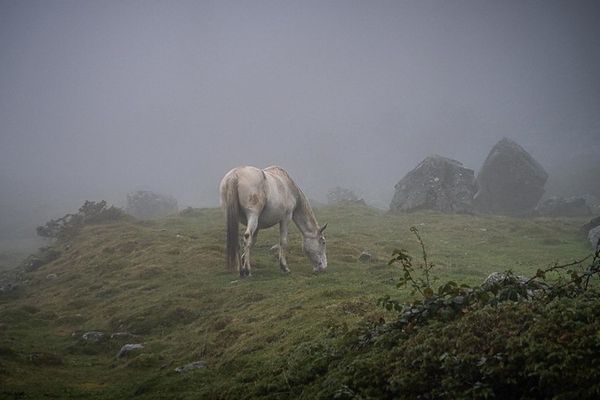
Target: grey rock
pixel 510 182
pixel 51 276
pixel 503 279
pixel 191 366
pixel 366 257
pixel 594 237
pixel 437 183
pixel 94 336
pixel 122 335
pixel 561 207
pixel 127 348
pixel 500 278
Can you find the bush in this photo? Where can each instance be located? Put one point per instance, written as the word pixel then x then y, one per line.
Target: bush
pixel 147 205
pixel 340 195
pixel 89 213
pixel 512 339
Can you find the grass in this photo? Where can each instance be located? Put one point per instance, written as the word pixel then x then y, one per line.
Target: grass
pixel 165 281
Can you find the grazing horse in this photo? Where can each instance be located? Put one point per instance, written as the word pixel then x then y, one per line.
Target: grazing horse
pixel 260 199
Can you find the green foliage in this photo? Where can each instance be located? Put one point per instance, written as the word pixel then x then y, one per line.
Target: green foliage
pixel 147 205
pixel 452 300
pixel 513 350
pixel 90 212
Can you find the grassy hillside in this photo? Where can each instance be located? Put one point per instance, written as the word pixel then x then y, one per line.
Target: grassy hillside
pixel 164 283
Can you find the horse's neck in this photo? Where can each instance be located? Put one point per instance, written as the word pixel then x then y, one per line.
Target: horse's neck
pixel 304 218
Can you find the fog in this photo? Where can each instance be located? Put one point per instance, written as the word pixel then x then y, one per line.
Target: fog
pixel 98 99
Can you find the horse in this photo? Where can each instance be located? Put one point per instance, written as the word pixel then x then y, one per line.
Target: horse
pixel 259 199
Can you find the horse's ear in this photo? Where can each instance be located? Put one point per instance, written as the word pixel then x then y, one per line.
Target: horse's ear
pixel 323 228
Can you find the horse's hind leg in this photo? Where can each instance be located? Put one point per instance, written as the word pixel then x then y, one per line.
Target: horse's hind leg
pixel 283 245
pixel 250 236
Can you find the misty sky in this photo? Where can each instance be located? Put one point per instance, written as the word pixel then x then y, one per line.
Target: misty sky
pixel 100 98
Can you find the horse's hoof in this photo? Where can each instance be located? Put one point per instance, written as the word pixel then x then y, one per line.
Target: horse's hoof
pixel 244 273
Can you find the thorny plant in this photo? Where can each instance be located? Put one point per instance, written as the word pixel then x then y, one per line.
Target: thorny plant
pixel 452 300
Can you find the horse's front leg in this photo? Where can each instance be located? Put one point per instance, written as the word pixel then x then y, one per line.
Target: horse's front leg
pixel 283 245
pixel 250 236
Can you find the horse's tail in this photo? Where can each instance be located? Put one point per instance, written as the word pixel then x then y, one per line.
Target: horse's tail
pixel 232 209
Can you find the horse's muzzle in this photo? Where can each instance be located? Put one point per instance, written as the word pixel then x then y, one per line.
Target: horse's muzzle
pixel 320 267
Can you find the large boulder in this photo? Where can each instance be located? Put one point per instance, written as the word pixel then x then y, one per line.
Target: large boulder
pixel 560 207
pixel 437 183
pixel 510 182
pixel 594 237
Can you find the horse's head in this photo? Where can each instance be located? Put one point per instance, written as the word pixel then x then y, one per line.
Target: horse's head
pixel 314 247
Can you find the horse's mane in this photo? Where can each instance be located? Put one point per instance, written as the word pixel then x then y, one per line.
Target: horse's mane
pixel 304 204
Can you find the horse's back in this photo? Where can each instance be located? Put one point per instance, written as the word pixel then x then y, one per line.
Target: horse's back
pixel 246 178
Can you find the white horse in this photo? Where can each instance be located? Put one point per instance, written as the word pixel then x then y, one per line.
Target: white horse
pixel 260 199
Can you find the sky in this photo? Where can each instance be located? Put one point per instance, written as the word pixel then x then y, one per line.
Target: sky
pixel 101 98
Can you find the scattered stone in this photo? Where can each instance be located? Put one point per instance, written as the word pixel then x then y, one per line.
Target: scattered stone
pixel 594 237
pixel 127 348
pixel 122 335
pixel 561 207
pixel 366 257
pixel 93 336
pixel 510 182
pixel 191 366
pixel 437 183
pixel 51 276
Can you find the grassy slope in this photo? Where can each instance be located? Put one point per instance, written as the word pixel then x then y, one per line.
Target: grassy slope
pixel 166 282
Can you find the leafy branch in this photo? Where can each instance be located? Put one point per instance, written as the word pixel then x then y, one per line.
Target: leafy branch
pixel 452 300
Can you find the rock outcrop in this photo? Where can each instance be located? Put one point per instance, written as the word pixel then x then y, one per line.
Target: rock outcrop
pixel 594 237
pixel 560 207
pixel 437 183
pixel 510 182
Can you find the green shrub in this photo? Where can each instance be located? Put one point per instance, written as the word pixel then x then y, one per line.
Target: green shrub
pixel 90 212
pixel 518 338
pixel 147 205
